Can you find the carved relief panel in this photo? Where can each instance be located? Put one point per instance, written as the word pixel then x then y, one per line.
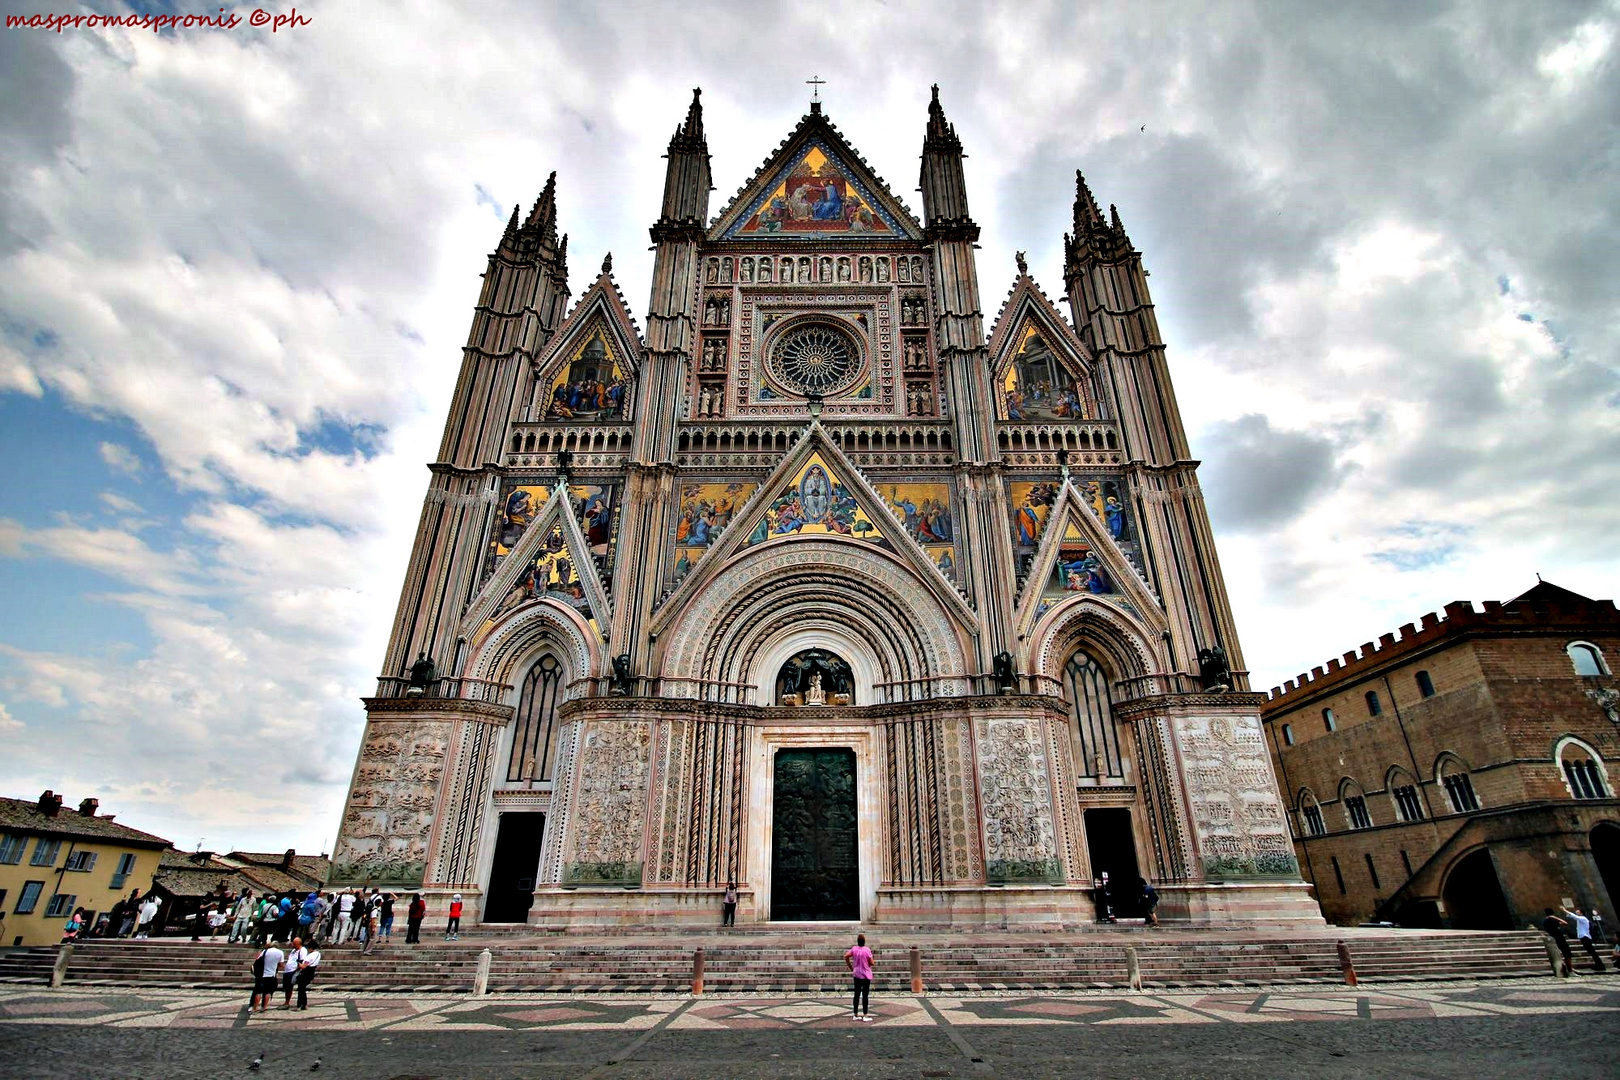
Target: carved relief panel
pixel 609 804
pixel 389 819
pixel 1237 816
pixel 1015 791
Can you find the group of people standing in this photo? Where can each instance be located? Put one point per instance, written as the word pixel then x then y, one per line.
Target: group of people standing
pixel 134 915
pixel 366 918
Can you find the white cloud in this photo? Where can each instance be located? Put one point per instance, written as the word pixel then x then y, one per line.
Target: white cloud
pixel 8 723
pixel 121 458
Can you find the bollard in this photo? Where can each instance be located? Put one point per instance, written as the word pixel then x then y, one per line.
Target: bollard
pixel 1344 962
pixel 1133 968
pixel 697 972
pixel 481 979
pixel 59 969
pixel 916 970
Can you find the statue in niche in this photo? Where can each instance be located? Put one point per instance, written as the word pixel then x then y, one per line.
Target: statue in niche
pixel 422 675
pixel 815 677
pixel 1006 679
pixel 621 674
pixel 1213 671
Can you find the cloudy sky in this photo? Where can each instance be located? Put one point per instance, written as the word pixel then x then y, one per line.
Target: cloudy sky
pixel 236 269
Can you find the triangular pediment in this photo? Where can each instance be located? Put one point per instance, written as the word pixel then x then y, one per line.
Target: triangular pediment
pixel 1041 368
pixel 817 491
pixel 551 563
pixel 588 370
pixel 815 186
pixel 1077 556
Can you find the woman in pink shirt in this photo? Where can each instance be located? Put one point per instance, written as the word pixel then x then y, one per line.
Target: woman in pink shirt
pixel 859 959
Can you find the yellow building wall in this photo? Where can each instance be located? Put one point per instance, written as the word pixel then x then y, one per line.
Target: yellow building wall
pixel 93 889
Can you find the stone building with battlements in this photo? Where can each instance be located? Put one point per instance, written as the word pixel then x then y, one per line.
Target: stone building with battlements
pixel 1462 775
pixel 818 584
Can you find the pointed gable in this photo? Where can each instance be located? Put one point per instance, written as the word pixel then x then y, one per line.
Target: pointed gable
pixel 1042 370
pixel 1079 557
pixel 588 369
pixel 815 185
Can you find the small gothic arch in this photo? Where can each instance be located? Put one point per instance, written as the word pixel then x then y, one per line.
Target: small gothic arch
pixel 1583 772
pixel 1587 658
pixel 1100 751
pixel 1452 774
pixel 1310 813
pixel 1354 800
pixel 532 750
pixel 1403 794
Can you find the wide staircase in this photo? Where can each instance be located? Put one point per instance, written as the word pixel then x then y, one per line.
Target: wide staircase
pixel 812 961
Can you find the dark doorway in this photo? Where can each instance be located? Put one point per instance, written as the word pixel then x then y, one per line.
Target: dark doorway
pixel 517 860
pixel 1111 844
pixel 1473 896
pixel 1606 853
pixel 815 866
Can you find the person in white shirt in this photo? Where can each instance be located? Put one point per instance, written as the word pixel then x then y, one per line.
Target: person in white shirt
pixel 306 974
pixel 345 917
pixel 149 910
pixel 265 966
pixel 1583 930
pixel 289 968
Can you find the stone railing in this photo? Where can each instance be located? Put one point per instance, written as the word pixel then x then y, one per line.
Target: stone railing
pixel 535 445
pixel 761 443
pixel 447 688
pixel 1172 682
pixel 1089 443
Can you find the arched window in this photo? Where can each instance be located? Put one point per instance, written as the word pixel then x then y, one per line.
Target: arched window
pixel 1355 805
pixel 1310 814
pixel 1329 721
pixel 1374 707
pixel 1403 792
pixel 534 735
pixel 1583 771
pixel 1096 732
pixel 1425 684
pixel 1587 658
pixel 1459 788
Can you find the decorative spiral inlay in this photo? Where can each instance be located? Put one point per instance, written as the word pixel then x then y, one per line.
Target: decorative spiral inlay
pixel 815 359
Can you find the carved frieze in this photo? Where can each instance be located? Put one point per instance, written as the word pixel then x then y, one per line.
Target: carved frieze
pixel 1237 815
pixel 384 836
pixel 609 805
pixel 1016 794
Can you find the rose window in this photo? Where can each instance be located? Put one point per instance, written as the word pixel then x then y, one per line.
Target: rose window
pixel 815 359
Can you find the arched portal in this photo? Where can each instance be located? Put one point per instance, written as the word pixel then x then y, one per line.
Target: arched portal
pixel 1606 853
pixel 1473 895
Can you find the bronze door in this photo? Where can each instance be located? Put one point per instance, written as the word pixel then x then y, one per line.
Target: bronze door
pixel 815 866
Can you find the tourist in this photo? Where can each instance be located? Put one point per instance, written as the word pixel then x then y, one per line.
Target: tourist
pixel 132 913
pixel 345 917
pixel 329 919
pixel 1554 926
pixel 373 919
pixel 264 915
pixel 289 968
pixel 287 919
pixel 266 965
pixel 216 919
pixel 388 915
pixel 147 916
pixel 859 961
pixel 413 919
pixel 1583 933
pixel 1150 901
pixel 306 973
pixel 452 929
pixel 243 917
pixel 115 915
pixel 728 905
pixel 308 912
pixel 75 923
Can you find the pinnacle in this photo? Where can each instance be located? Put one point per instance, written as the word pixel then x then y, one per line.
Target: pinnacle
pixel 937 126
pixel 693 128
pixel 544 214
pixel 607 264
pixel 1085 206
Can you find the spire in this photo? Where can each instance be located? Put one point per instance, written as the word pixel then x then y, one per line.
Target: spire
pixel 693 128
pixel 562 258
pixel 1085 207
pixel 686 181
pixel 944 187
pixel 544 214
pixel 512 225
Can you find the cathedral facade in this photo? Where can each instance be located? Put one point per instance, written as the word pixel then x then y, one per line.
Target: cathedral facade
pixel 818 586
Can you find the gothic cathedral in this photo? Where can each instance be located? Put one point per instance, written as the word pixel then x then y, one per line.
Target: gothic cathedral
pixel 815 587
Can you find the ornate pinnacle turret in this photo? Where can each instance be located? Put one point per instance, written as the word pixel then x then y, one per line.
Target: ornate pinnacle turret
pixel 512 225
pixel 944 188
pixel 607 264
pixel 686 181
pixel 562 258
pixel 544 214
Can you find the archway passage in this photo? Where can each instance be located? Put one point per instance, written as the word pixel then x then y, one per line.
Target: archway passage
pixel 1606 853
pixel 815 862
pixel 517 859
pixel 1473 896
pixel 1111 844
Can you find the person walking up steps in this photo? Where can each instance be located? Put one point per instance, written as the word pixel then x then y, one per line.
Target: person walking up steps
pixel 413 919
pixel 1583 934
pixel 452 929
pixel 859 961
pixel 1554 928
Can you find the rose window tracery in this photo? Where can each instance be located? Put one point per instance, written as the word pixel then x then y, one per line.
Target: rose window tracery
pixel 817 358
